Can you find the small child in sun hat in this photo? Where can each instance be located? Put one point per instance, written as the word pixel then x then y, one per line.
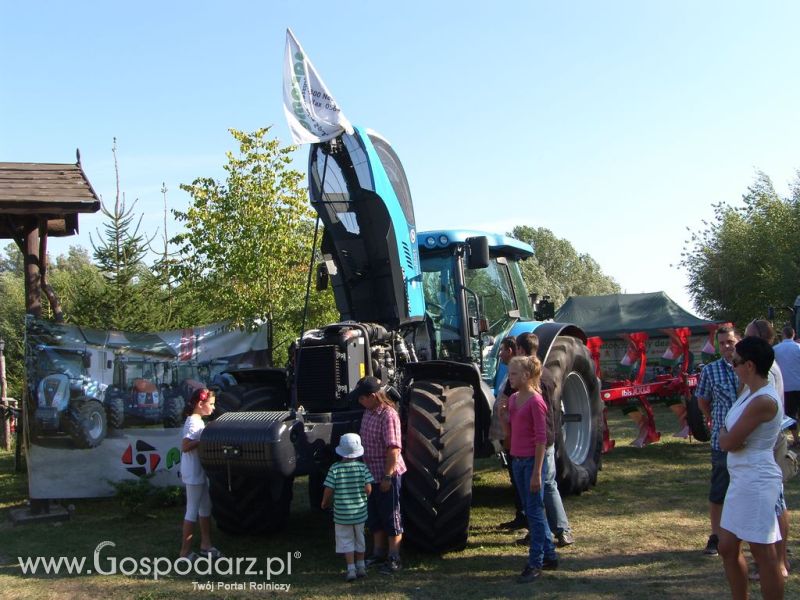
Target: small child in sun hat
pixel 347 486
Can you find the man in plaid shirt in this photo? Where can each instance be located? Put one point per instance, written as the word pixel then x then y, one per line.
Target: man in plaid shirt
pixel 716 392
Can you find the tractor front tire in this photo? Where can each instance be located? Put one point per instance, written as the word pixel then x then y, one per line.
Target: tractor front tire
pixel 227 401
pixel 578 409
pixel 173 411
pixel 254 504
pixel 696 420
pixel 439 448
pixel 86 423
pixel 115 410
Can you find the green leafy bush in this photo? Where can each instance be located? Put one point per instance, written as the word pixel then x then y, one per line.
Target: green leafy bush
pixel 139 496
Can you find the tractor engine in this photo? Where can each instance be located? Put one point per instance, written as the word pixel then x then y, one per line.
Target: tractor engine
pixel 335 357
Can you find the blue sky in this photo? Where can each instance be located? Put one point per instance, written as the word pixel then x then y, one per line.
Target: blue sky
pixel 614 124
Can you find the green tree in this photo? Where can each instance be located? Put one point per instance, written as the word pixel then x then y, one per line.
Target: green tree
pixel 81 288
pixel 13 261
pixel 12 323
pixel 246 243
pixel 747 257
pixel 558 270
pixel 134 297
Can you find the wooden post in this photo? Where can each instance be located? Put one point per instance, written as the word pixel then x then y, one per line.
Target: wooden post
pixel 33 289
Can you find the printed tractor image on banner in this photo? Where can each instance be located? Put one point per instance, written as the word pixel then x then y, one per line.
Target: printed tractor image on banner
pixel 108 405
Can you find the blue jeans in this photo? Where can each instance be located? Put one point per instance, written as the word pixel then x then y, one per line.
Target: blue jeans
pixel 553 506
pixel 541 540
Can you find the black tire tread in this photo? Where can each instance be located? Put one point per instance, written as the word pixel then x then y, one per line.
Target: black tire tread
pixel 78 418
pixel 254 505
pixel 173 411
pixel 115 409
pixel 567 355
pixel 437 489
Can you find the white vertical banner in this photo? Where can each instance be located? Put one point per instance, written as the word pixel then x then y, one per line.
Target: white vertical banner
pixel 311 111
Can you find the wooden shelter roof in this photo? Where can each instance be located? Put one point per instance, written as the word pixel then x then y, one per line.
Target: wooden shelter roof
pixel 57 192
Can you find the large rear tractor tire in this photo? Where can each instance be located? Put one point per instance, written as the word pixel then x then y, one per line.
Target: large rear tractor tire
pixel 578 410
pixel 86 423
pixel 227 401
pixel 253 505
pixel 439 446
pixel 696 420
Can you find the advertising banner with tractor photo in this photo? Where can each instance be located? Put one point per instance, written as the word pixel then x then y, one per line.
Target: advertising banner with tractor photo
pixel 105 406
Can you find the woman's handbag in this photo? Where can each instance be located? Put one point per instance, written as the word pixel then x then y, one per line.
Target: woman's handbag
pixel 785 458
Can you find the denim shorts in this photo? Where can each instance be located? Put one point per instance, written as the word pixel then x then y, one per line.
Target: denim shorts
pixel 719 477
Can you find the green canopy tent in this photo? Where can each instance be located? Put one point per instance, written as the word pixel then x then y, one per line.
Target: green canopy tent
pixel 613 314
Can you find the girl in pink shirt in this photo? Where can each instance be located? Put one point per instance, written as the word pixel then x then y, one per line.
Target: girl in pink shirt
pixel 528 433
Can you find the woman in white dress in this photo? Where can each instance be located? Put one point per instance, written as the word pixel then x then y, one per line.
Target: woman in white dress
pixel 749 434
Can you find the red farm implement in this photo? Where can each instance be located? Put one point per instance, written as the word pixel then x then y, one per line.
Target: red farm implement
pixel 673 386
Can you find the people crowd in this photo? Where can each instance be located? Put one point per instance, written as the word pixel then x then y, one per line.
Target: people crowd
pixel 745 395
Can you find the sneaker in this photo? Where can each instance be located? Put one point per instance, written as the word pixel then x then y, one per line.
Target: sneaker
pixel 390 567
pixel 350 576
pixel 212 552
pixel 711 546
pixel 564 538
pixel 524 541
pixel 361 572
pixel 529 574
pixel 518 522
pixel 550 564
pixel 375 560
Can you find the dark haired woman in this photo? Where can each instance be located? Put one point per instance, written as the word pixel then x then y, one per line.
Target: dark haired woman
pixel 198 501
pixel 748 513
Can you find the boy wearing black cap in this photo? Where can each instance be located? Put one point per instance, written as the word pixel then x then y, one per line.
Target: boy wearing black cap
pixel 348 485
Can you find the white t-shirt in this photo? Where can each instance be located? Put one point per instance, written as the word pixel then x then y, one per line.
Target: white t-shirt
pixel 191 470
pixel 776 379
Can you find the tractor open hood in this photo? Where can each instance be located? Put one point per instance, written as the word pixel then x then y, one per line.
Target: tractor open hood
pixel 359 189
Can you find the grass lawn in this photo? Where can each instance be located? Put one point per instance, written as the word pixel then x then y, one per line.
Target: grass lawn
pixel 639 534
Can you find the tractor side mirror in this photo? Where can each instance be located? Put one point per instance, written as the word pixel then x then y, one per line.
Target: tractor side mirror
pixel 483 325
pixel 474 327
pixel 109 364
pixel 322 277
pixel 87 360
pixel 478 252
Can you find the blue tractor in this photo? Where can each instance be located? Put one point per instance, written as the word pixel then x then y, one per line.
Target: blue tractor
pixel 423 312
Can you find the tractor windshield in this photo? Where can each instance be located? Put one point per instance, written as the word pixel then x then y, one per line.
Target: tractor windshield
pixel 129 370
pixel 52 360
pixel 441 307
pixel 183 371
pixel 502 300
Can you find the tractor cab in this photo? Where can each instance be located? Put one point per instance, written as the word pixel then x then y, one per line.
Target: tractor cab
pixel 72 362
pixel 140 377
pixel 471 303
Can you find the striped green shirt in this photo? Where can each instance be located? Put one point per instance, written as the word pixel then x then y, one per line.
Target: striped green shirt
pixel 347 479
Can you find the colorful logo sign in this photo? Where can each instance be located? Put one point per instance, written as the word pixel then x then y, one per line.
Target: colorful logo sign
pixel 147 458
